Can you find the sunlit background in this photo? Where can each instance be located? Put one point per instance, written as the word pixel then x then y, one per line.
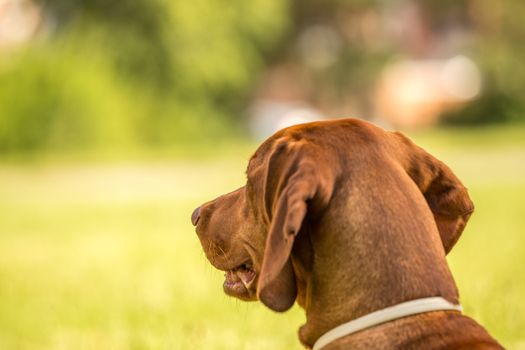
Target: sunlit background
pixel 117 118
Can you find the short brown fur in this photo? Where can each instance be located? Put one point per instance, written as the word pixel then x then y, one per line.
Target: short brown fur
pixel 346 219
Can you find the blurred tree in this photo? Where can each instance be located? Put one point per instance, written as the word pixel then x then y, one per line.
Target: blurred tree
pixel 497 37
pixel 132 32
pixel 184 69
pixel 370 33
pixel 104 74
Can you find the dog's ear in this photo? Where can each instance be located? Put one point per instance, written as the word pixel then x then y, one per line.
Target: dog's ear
pixel 295 184
pixel 445 194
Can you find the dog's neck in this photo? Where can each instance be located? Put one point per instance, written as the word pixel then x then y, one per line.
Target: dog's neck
pixel 352 276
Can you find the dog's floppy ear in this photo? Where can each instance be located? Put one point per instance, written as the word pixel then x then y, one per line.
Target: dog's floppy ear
pixel 445 194
pixel 294 185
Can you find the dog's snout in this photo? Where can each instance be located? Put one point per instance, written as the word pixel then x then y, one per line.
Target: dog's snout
pixel 196 216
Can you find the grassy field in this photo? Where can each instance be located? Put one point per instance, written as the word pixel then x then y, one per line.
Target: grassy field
pixel 102 255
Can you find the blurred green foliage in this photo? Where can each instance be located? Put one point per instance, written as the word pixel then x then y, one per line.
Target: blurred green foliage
pixel 498 30
pixel 492 33
pixel 141 73
pixel 135 72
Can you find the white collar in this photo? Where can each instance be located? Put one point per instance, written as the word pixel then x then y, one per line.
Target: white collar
pixel 408 308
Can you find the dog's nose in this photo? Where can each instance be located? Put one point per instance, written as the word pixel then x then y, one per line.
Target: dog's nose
pixel 196 216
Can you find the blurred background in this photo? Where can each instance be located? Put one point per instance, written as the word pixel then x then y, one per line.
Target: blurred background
pixel 118 118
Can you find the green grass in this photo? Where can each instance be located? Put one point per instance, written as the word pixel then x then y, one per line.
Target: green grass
pixel 103 256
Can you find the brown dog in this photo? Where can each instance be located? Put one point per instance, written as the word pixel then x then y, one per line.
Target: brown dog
pixel 347 219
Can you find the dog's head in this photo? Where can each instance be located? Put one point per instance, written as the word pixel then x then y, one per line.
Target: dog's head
pixel 257 233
